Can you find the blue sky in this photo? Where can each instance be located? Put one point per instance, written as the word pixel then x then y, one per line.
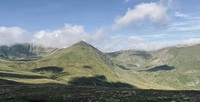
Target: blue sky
pixel 109 25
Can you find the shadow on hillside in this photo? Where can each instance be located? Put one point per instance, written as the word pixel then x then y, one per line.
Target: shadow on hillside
pixel 87 67
pixel 159 68
pixel 97 81
pixel 9 82
pixel 12 75
pixel 123 67
pixel 54 69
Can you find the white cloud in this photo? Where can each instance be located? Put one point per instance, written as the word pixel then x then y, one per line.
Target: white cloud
pixel 136 39
pixel 154 13
pixel 191 41
pixel 11 35
pixel 186 28
pixel 60 38
pixel 178 14
pixel 157 36
pixel 191 16
pixel 188 24
pixel 185 22
pixel 71 34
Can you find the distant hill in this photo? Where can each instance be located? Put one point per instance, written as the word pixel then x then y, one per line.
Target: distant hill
pixel 176 67
pixel 23 51
pixel 130 59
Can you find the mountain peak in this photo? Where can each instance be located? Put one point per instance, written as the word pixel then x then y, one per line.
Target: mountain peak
pixel 81 43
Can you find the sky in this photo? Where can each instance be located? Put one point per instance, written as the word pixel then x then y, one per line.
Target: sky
pixel 109 25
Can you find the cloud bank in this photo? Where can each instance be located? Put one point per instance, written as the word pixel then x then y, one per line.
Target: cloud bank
pixel 71 34
pixel 59 38
pixel 10 35
pixel 65 36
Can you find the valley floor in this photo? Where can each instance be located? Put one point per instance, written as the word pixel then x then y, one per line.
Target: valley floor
pixel 62 93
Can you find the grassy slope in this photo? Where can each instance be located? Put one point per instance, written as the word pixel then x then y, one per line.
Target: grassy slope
pixel 79 60
pixel 11 70
pixel 185 60
pixel 83 60
pixel 130 59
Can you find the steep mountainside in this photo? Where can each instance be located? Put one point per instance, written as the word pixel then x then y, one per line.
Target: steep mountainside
pixel 75 64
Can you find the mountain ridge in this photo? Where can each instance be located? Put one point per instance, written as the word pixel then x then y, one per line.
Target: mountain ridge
pixel 23 51
pixel 141 69
pixel 78 60
pixel 176 67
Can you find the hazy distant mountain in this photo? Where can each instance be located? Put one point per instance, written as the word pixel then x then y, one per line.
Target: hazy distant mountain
pixel 23 51
pixel 130 59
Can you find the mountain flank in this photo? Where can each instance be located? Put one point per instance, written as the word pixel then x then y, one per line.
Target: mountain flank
pixel 83 64
pixel 176 67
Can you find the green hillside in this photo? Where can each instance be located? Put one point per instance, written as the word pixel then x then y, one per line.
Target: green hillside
pixel 83 61
pixel 78 60
pixel 82 64
pixel 176 67
pixel 130 59
pixel 79 64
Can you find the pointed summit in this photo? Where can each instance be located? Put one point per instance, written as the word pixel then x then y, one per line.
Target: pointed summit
pixel 82 59
pixel 81 43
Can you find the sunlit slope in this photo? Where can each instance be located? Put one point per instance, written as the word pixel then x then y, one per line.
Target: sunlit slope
pixel 130 59
pixel 183 67
pixel 79 60
pixel 12 71
pixel 82 60
pixel 176 67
